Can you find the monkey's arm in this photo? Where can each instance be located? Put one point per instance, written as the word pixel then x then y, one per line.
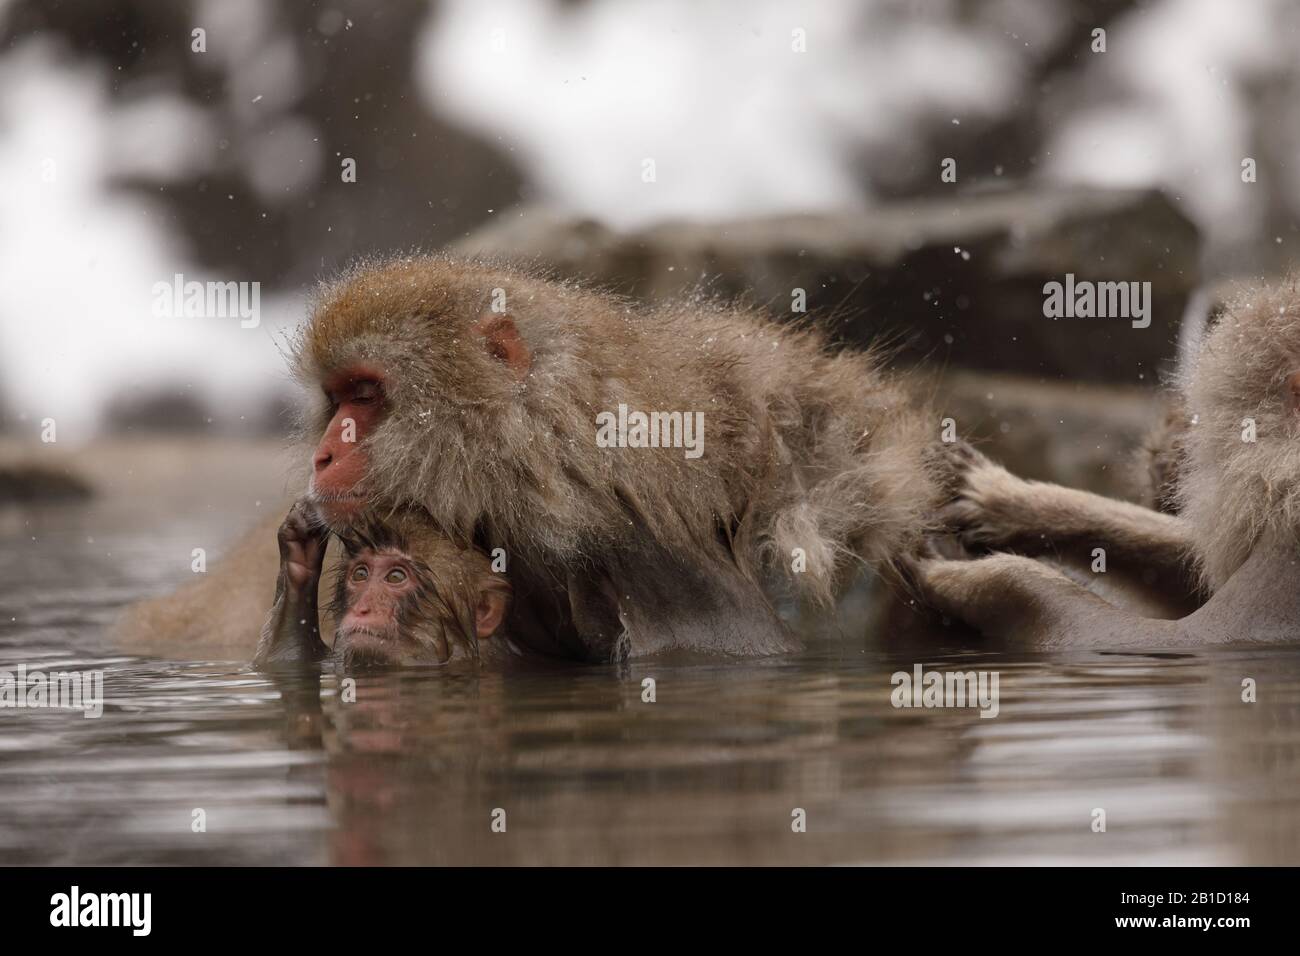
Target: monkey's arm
pixel 996 509
pixel 1006 595
pixel 291 634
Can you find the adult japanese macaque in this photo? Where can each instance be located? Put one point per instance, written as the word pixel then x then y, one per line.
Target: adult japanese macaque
pixel 404 595
pixel 755 465
pixel 1236 492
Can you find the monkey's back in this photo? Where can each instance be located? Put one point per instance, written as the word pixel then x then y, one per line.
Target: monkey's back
pixel 824 452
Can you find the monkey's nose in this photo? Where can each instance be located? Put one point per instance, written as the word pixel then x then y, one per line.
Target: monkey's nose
pixel 322 460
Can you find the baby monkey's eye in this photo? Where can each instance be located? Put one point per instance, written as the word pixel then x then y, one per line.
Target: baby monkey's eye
pixel 395 576
pixel 360 573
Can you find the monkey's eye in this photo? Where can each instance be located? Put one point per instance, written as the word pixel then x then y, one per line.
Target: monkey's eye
pixel 360 573
pixel 366 392
pixel 395 576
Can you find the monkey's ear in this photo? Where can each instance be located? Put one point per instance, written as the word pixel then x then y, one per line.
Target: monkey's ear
pixel 504 343
pixel 1291 392
pixel 493 603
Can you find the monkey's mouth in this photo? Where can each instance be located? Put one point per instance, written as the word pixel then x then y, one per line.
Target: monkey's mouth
pixel 354 631
pixel 362 646
pixel 367 653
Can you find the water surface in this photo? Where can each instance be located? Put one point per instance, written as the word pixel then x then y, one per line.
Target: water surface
pixel 586 772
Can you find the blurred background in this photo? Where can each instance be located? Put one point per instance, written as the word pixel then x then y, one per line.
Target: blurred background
pixel 658 146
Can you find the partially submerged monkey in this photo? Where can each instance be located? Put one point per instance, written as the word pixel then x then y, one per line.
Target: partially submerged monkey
pixel 472 391
pixel 404 595
pixel 1236 491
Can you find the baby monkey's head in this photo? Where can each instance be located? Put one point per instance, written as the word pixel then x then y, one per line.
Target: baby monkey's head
pixel 406 594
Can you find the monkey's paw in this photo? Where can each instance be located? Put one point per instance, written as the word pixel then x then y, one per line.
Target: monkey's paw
pixel 302 538
pixel 990 507
pixel 929 551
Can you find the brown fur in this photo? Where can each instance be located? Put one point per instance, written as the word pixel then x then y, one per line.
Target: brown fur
pixel 450 579
pixel 217 615
pixel 1160 456
pixel 1238 506
pixel 1233 492
pixel 803 448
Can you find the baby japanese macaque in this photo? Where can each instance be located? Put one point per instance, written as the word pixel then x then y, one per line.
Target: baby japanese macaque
pixel 404 595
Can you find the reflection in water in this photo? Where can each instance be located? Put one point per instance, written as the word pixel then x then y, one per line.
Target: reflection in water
pixel 287 772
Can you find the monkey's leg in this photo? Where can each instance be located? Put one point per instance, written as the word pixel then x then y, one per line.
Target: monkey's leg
pixel 995 509
pixel 291 634
pixel 1007 595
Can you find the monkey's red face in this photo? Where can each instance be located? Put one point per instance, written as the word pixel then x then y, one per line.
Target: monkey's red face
pixel 375 583
pixel 384 620
pixel 339 463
